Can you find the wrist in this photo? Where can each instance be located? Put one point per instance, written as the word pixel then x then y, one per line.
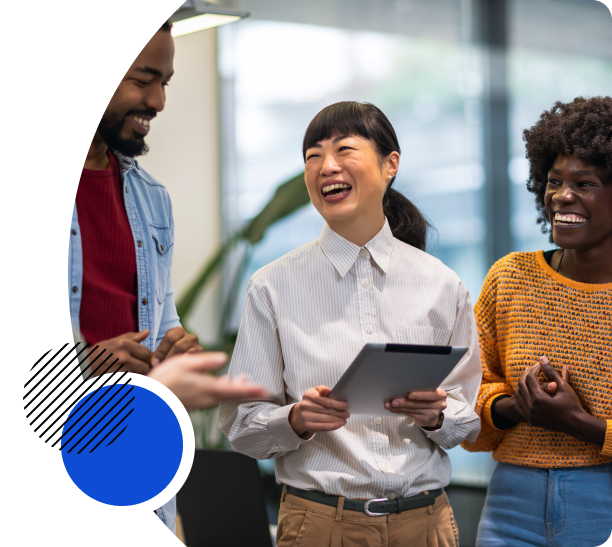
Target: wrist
pixel 589 429
pixel 435 426
pixel 295 420
pixel 506 408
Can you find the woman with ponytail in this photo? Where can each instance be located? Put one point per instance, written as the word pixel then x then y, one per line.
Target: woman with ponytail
pixel 308 314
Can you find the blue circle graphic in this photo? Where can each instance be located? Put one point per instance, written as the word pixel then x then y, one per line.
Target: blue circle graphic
pixel 122 445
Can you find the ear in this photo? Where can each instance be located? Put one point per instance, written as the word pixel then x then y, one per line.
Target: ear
pixel 393 164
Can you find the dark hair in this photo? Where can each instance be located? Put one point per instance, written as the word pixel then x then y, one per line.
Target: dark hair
pixel 366 120
pixel 167 26
pixel 582 128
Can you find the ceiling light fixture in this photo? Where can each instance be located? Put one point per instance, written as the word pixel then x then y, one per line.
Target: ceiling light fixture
pixel 196 15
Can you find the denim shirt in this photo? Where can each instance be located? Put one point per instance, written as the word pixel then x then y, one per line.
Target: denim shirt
pixel 149 212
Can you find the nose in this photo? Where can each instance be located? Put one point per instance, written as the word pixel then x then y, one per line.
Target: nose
pixel 330 165
pixel 156 98
pixel 564 194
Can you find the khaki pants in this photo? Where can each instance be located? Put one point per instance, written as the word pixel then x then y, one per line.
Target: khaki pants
pixel 304 523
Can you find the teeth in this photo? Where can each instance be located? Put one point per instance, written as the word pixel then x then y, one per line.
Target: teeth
pixel 570 218
pixel 332 187
pixel 141 121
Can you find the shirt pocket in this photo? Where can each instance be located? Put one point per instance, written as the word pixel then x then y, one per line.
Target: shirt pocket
pixel 163 241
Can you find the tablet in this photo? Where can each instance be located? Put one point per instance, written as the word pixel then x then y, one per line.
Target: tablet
pixel 382 372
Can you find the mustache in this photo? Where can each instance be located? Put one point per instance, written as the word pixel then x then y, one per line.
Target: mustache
pixel 142 112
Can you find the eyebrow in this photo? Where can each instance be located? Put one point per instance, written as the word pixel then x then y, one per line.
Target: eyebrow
pixel 152 71
pixel 579 172
pixel 337 139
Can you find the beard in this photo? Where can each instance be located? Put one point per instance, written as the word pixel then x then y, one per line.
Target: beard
pixel 110 127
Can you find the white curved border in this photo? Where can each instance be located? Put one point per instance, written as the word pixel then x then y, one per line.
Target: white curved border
pixel 57 462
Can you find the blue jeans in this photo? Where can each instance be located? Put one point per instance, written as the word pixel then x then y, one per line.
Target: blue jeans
pixel 565 507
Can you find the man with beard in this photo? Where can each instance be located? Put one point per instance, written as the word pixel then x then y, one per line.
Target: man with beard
pixel 121 244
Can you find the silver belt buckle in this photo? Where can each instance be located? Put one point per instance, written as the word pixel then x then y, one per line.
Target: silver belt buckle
pixel 367 511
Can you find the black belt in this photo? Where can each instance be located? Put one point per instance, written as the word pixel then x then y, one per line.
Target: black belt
pixel 374 507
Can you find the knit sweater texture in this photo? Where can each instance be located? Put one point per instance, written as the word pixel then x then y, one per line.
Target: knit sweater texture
pixel 527 310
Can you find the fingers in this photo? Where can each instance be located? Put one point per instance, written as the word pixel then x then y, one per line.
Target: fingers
pixel 140 336
pixel 531 380
pixel 427 395
pixel 188 342
pixel 549 387
pixel 205 361
pixel 228 390
pixel 319 396
pixel 565 373
pixel 439 404
pixel 549 370
pixel 171 336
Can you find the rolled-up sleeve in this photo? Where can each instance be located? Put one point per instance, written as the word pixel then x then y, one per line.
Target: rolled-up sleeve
pixel 461 422
pixel 259 429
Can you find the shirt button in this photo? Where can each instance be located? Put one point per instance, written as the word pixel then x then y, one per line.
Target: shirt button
pixel 363 253
pixel 392 496
pixel 369 329
pixel 365 282
pixel 144 301
pixel 161 247
pixel 126 190
pixel 290 444
pixel 384 466
pixel 377 420
pixel 139 243
pixel 73 232
pixel 75 289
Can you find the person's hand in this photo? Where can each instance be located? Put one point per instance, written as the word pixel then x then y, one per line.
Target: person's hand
pixel 424 407
pixel 555 406
pixel 176 341
pixel 186 376
pixel 317 412
pixel 128 351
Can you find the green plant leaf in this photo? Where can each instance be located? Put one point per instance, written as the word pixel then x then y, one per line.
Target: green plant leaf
pixel 288 198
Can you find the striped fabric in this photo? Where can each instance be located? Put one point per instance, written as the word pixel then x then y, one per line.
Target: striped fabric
pixel 306 316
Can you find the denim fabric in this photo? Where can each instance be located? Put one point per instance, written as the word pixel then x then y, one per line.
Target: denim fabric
pixel 149 212
pixel 565 507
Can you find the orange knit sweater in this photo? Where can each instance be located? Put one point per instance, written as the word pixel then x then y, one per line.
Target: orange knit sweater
pixel 527 310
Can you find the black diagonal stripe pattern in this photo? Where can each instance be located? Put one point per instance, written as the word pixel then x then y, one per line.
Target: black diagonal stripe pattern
pixel 84 393
pixel 95 405
pixel 65 444
pixel 106 425
pixel 115 438
pixel 113 429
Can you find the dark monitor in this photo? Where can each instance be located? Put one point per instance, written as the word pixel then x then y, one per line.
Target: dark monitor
pixel 222 502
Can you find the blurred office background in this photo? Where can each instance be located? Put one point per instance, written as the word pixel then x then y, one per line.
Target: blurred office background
pixel 459 79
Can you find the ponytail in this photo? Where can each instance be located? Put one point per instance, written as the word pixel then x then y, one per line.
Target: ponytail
pixel 407 223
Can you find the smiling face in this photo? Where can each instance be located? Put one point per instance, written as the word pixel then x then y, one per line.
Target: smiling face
pixel 139 97
pixel 347 179
pixel 578 201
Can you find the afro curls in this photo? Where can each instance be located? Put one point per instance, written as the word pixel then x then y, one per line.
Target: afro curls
pixel 582 128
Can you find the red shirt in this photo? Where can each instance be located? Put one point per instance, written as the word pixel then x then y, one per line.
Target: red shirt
pixel 108 301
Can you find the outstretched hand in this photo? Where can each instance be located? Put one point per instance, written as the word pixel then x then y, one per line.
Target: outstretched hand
pixel 187 376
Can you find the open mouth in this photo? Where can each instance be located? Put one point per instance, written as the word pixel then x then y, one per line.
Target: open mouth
pixel 332 190
pixel 569 219
pixel 140 124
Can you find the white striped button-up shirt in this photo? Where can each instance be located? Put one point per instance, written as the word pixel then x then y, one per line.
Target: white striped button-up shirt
pixel 306 317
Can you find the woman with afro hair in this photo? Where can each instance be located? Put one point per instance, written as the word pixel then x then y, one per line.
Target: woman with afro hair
pixel 545 327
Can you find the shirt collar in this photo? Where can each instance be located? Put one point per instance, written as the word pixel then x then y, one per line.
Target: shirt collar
pixel 125 163
pixel 342 253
